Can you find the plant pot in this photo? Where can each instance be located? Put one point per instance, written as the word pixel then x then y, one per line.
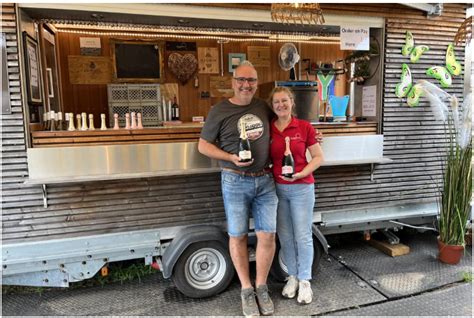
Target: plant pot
pixel 450 254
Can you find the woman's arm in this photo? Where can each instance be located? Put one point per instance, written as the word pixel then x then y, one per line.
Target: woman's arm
pixel 317 159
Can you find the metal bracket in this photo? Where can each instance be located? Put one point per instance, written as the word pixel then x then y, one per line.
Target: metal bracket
pixel 45 195
pixel 372 169
pixel 431 10
pixel 392 238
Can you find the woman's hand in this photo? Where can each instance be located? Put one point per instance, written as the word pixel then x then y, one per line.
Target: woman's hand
pixel 295 177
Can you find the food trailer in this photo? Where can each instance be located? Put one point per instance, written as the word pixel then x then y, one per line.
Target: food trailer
pixel 94 187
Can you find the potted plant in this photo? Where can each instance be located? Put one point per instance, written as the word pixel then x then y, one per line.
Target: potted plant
pixel 456 190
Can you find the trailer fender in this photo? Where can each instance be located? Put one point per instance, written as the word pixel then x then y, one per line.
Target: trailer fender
pixel 317 233
pixel 186 237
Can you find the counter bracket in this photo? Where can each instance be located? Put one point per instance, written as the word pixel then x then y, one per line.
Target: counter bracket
pixel 45 195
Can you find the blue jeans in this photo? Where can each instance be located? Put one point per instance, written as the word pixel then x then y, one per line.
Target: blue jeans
pixel 294 222
pixel 243 195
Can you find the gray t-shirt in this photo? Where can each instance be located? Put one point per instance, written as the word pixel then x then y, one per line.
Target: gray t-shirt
pixel 223 125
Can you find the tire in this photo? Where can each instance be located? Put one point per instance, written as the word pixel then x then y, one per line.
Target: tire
pixel 204 269
pixel 279 271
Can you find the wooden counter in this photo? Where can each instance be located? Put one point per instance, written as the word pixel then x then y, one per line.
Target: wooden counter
pixel 178 133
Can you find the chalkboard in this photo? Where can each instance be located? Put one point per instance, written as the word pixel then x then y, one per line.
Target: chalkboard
pixel 136 61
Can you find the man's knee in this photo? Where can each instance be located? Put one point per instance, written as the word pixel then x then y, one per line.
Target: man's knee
pixel 266 238
pixel 237 240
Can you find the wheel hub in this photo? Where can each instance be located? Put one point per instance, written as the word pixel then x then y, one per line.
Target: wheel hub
pixel 205 268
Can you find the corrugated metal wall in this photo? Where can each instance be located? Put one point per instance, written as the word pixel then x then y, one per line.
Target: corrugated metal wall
pixel 412 138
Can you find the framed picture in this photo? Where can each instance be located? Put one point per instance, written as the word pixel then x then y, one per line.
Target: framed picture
pixel 33 77
pixel 235 59
pixel 135 61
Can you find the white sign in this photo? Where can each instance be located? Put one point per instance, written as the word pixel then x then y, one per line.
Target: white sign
pixel 89 42
pixel 89 46
pixel 354 38
pixel 369 101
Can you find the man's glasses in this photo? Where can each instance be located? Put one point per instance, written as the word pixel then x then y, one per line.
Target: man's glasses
pixel 242 80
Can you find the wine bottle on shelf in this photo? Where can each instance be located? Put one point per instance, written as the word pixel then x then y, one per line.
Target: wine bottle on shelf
pixel 78 121
pixel 245 152
pixel 53 120
pixel 60 121
pixel 116 121
pixel 84 121
pixel 46 121
pixel 127 121
pixel 71 122
pixel 133 120
pixel 139 121
pixel 103 126
pixel 288 163
pixel 91 122
pixel 66 121
pixel 174 109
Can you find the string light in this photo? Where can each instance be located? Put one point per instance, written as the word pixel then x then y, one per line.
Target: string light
pixel 201 37
pixel 182 32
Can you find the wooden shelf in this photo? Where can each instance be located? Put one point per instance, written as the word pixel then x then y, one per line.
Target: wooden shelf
pixel 180 133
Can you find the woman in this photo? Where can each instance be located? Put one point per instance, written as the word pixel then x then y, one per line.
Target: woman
pixel 295 194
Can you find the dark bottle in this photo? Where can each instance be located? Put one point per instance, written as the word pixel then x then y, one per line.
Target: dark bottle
pixel 288 164
pixel 174 110
pixel 245 152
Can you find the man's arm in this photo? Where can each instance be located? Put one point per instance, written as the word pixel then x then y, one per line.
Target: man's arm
pixel 212 151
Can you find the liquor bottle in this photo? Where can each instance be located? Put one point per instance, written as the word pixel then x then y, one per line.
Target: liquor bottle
pixel 174 110
pixel 288 164
pixel 245 152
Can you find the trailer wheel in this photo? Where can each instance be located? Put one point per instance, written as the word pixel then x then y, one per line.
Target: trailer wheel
pixel 279 271
pixel 204 269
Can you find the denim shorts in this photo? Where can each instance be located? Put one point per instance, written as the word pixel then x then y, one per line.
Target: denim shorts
pixel 244 195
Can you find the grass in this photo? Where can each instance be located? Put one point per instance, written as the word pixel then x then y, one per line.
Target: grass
pixel 118 272
pixel 467 277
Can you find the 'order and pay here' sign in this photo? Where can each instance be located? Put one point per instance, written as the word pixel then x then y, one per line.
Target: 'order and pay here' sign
pixel 354 38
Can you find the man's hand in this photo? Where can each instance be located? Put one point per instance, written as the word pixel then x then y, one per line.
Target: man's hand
pixel 236 161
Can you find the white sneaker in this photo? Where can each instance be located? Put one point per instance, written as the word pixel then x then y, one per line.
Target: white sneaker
pixel 305 293
pixel 289 291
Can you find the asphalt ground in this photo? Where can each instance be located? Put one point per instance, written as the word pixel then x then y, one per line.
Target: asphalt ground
pixel 354 279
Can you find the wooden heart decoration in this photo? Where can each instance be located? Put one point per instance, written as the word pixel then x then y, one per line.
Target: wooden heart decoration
pixel 182 66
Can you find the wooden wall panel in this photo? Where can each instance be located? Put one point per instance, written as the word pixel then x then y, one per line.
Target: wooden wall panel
pixel 412 138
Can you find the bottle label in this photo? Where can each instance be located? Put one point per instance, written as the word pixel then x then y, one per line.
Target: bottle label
pixel 286 170
pixel 176 113
pixel 245 154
